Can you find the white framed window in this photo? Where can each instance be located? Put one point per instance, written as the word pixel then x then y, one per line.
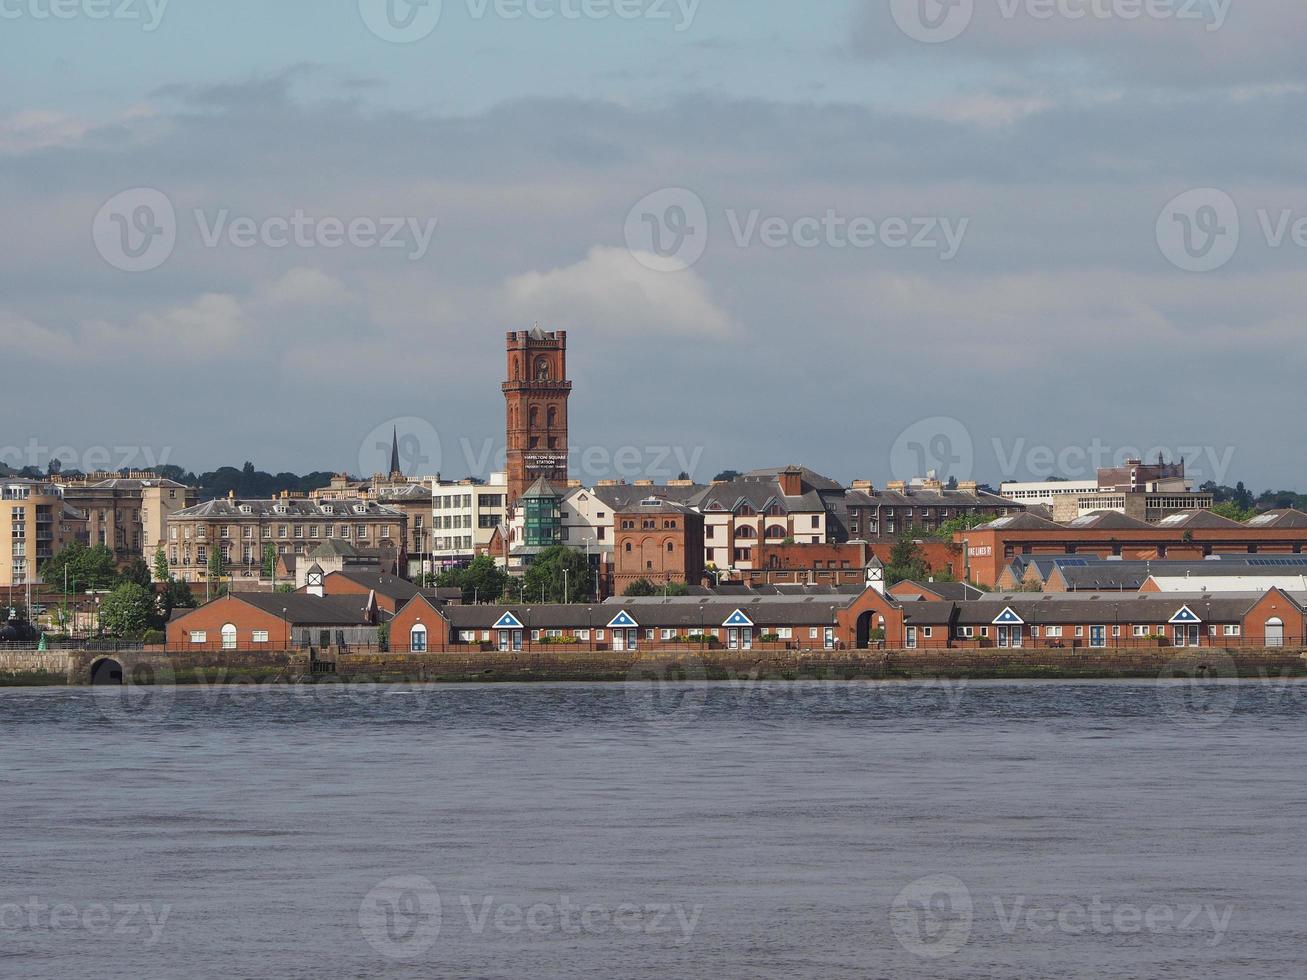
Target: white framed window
pixel 599 635
pixel 1080 632
pixel 968 632
pixel 199 636
pixel 1234 631
pixel 785 633
pixel 1116 631
pixel 1034 631
pixel 984 631
pixel 583 635
pixel 926 631
pixel 813 633
pixel 259 636
pixel 1053 632
pixel 1139 631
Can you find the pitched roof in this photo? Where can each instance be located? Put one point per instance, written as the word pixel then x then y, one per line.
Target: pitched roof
pixel 1109 520
pixel 304 609
pixel 1198 519
pixel 542 489
pixel 401 590
pixel 1020 522
pixel 287 509
pixel 1280 519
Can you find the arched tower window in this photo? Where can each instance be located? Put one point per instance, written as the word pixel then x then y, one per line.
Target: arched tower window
pixel 542 369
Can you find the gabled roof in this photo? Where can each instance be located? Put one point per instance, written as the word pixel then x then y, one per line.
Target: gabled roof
pixel 1279 519
pixel 1021 522
pixel 1109 520
pixel 303 609
pixel 1198 520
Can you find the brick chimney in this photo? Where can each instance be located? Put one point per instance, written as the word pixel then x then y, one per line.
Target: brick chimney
pixel 791 481
pixel 864 485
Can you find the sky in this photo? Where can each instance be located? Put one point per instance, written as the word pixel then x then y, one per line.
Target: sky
pixel 996 239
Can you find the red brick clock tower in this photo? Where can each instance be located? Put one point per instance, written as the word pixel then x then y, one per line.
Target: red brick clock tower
pixel 536 394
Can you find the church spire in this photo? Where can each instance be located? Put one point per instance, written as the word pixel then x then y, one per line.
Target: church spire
pixel 394 455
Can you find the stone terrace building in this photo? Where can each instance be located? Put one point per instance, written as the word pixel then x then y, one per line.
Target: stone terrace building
pixel 882 515
pixel 128 515
pixel 295 526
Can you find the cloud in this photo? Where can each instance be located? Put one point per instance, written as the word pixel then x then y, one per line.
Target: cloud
pixel 611 291
pixel 1209 43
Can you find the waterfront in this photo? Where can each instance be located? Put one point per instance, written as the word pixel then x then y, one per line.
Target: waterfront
pixel 750 829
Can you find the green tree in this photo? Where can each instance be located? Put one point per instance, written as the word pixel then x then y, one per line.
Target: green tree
pixel 87 568
pixel 964 523
pixel 481 580
pixel 162 573
pixel 127 611
pixel 269 560
pixel 139 572
pixel 641 587
pixel 1234 511
pixel 218 589
pixel 552 567
pixel 180 595
pixel 906 561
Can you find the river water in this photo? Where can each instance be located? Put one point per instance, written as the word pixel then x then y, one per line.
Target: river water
pixel 598 831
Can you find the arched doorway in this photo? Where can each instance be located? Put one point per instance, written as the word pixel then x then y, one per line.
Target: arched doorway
pixel 106 672
pixel 229 636
pixel 1275 633
pixel 864 630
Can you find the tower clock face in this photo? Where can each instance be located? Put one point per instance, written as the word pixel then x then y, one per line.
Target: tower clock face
pixel 542 369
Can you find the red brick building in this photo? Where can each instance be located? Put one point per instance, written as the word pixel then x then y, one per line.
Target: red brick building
pixel 988 550
pixel 659 541
pixel 535 398
pixel 809 564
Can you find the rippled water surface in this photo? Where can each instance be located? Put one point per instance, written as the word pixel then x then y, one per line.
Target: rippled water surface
pixel 807 830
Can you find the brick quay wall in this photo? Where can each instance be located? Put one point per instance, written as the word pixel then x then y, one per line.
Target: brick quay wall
pixel 156 667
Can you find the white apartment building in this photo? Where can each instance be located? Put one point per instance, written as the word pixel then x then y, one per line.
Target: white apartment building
pixel 1047 491
pixel 464 515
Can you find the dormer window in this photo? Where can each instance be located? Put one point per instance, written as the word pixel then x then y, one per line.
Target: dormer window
pixel 246 509
pixel 328 509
